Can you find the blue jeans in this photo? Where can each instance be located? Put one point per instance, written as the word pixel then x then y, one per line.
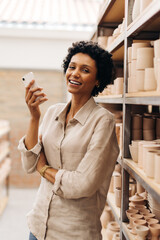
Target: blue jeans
pixel 32 237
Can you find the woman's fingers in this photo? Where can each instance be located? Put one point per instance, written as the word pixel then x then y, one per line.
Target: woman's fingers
pixel 39 101
pixel 32 92
pixel 35 97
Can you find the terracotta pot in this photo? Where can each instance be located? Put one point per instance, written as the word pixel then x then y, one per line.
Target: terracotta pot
pixel 149 123
pixel 142 232
pixel 149 135
pixel 140 79
pixel 157 168
pixel 155 231
pixel 134 217
pixel 150 82
pixel 118 192
pixel 112 228
pixel 152 221
pixel 137 121
pixel 144 58
pixel 102 41
pixel 135 46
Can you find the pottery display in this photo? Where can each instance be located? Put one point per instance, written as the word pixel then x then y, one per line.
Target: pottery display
pixel 140 74
pixel 116 236
pixel 112 228
pixel 117 180
pixel 142 232
pixel 155 231
pixel 145 58
pixel 149 80
pixel 150 163
pixel 137 199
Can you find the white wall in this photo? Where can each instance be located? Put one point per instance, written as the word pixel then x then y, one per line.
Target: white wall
pixel 35 49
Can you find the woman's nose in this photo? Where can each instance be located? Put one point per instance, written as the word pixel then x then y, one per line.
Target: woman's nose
pixel 75 73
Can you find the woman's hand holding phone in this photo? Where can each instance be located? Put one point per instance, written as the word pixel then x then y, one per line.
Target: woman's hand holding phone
pixel 33 95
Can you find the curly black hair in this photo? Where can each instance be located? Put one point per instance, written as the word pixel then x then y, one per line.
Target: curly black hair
pixel 102 58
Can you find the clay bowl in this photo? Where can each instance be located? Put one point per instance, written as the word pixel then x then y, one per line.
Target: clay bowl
pixel 134 152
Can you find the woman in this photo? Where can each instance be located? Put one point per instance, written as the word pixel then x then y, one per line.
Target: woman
pixel 77 151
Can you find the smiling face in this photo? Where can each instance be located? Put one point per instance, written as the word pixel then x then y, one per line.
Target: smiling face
pixel 81 75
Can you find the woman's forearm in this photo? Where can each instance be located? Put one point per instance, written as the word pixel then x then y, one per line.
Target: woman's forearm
pixel 31 138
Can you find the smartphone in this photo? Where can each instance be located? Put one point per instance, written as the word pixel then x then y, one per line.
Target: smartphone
pixel 28 78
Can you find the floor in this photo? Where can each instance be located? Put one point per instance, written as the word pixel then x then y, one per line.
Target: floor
pixel 13 225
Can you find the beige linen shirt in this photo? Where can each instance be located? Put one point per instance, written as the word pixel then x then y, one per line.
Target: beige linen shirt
pixel 85 153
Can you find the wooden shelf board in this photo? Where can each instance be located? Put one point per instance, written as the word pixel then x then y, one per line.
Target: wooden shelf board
pixel 149 184
pixel 109 99
pixel 117 48
pixel 127 234
pixel 144 94
pixel 111 203
pixel 3 203
pixel 109 13
pixel 144 19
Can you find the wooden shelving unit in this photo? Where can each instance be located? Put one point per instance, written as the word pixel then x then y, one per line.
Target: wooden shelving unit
pixel 145 27
pixel 5 163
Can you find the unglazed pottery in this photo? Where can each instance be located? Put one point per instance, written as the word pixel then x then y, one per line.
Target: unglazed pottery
pixel 157 128
pixel 134 217
pixel 137 199
pixel 102 41
pixel 133 67
pixel 152 221
pixel 150 82
pixel 118 192
pixel 137 121
pixel 144 58
pixel 135 46
pixel 150 163
pixel 140 79
pixel 157 168
pixel 142 232
pixel 117 180
pixel 149 135
pixel 149 123
pixel 134 152
pixel 112 228
pixel 157 48
pixel 116 236
pixel 118 82
pixel 155 231
pixel 140 189
pixel 148 146
pixel 131 84
pixel 129 54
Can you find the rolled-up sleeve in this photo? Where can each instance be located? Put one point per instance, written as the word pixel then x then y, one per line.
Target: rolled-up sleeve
pixel 96 166
pixel 29 157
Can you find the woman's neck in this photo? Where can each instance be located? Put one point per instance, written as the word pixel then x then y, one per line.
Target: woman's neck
pixel 76 104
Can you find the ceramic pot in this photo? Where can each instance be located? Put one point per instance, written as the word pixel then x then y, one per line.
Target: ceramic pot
pixel 133 68
pixel 140 79
pixel 118 192
pixel 140 189
pixel 144 4
pixel 157 48
pixel 117 180
pixel 142 232
pixel 129 69
pixel 137 121
pixel 149 135
pixel 116 236
pixel 135 46
pixel 150 82
pixel 150 163
pixel 129 54
pixel 157 168
pixel 134 153
pixel 112 228
pixel 134 217
pixel 118 82
pixel 157 128
pixel 155 231
pixel 152 221
pixel 149 123
pixel 144 58
pixel 106 216
pixel 148 215
pixel 137 199
pixel 131 84
pixel 102 41
pixel 148 147
pixel 137 134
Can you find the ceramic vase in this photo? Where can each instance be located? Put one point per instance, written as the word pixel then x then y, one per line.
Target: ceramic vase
pixel 155 231
pixel 142 232
pixel 150 82
pixel 144 58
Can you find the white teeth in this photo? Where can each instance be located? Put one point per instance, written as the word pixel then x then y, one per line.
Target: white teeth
pixel 73 82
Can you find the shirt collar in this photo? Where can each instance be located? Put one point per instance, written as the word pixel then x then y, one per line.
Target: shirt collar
pixel 83 113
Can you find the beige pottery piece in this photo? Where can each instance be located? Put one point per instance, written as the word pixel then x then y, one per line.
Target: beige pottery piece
pixel 137 199
pixel 157 168
pixel 134 217
pixel 134 153
pixel 140 189
pixel 158 74
pixel 102 41
pixel 142 232
pixel 155 231
pixel 140 152
pixel 129 69
pixel 112 228
pixel 131 84
pixel 117 180
pixel 118 82
pixel 116 236
pixel 140 79
pixel 129 54
pixel 133 68
pixel 148 215
pixel 135 46
pixel 157 48
pixel 106 216
pixel 118 192
pixel 146 148
pixel 144 58
pixel 150 163
pixel 144 4
pixel 150 82
pixel 152 221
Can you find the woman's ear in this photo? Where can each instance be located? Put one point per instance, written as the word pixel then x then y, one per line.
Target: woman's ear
pixel 97 84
